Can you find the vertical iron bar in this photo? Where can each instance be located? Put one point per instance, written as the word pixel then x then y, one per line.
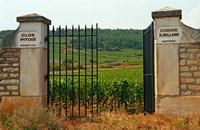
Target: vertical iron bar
pixel 144 69
pixel 153 80
pixel 53 89
pixel 97 82
pixel 73 71
pixel 92 69
pixel 79 61
pixel 66 70
pixel 85 70
pixel 60 70
pixel 48 63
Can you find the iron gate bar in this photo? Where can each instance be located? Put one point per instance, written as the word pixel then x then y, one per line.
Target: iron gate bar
pixel 88 100
pixel 97 69
pixel 92 68
pixel 79 84
pixel 66 67
pixel 75 75
pixel 75 35
pixel 72 70
pixel 59 41
pixel 53 63
pixel 85 71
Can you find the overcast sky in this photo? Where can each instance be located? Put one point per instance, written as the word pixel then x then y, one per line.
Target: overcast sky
pixel 124 14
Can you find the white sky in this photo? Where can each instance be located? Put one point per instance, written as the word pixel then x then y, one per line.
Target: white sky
pixel 124 14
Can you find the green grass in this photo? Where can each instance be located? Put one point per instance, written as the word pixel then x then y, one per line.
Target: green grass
pixel 128 56
pixel 125 56
pixel 132 74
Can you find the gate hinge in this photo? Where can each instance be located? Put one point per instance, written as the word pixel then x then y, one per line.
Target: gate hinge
pixel 46 77
pixel 46 38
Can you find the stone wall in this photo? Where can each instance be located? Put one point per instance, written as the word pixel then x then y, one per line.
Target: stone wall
pixel 189 69
pixel 177 63
pixel 9 72
pixel 23 65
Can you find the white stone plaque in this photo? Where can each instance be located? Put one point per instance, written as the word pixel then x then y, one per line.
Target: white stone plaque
pixel 28 39
pixel 171 34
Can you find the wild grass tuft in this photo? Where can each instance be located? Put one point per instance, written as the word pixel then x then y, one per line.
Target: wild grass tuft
pixel 28 118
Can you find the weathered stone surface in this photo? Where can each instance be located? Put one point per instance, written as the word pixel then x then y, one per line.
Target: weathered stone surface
pixel 10 69
pixel 9 81
pixel 196 74
pixel 193 50
pixel 12 59
pixel 188 80
pixel 4 64
pixel 2 88
pixel 186 92
pixel 33 18
pixel 190 55
pixel 15 64
pixel 194 87
pixel 32 72
pixel 194 68
pixel 4 75
pixel 184 55
pixel 182 62
pixel 182 50
pixel 4 93
pixel 186 74
pixel 198 81
pixel 167 66
pixel 183 69
pixel 20 101
pixel 198 56
pixel 13 87
pixel 14 75
pixel 184 87
pixel 192 62
pixel 15 93
pixel 167 12
pixel 178 105
pixel 197 93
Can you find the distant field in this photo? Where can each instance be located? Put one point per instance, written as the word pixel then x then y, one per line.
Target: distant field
pixel 106 59
pixel 134 74
pixel 125 56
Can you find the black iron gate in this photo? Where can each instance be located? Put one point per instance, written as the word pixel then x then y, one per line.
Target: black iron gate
pixel 148 52
pixel 73 71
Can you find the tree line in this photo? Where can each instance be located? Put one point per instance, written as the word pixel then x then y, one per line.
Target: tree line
pixel 108 39
pixel 120 39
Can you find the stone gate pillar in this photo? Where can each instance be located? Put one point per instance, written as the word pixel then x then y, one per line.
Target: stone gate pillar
pixel 23 77
pixel 177 63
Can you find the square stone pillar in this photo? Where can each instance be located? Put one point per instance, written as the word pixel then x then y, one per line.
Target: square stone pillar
pixel 175 79
pixel 31 39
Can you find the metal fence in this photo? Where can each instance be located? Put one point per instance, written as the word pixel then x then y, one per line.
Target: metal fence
pixel 148 53
pixel 73 71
